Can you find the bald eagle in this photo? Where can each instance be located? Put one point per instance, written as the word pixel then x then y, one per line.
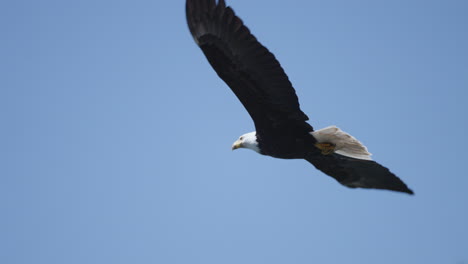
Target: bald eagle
pixel 260 83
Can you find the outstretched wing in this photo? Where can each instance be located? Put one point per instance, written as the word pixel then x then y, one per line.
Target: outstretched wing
pixel 357 173
pixel 247 67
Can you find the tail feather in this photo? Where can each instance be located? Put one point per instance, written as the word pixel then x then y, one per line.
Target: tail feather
pixel 345 144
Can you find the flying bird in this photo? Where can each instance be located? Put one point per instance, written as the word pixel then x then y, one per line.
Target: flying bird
pixel 260 83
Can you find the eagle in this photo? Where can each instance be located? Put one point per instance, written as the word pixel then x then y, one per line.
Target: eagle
pixel 260 83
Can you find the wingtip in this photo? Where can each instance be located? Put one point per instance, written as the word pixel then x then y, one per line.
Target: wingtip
pixel 401 188
pixel 405 189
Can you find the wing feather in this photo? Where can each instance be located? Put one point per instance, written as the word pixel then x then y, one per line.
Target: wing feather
pixel 248 68
pixel 358 173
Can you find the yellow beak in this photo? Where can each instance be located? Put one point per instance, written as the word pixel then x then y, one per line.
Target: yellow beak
pixel 236 145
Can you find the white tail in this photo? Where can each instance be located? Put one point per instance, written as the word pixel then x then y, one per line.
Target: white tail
pixel 345 144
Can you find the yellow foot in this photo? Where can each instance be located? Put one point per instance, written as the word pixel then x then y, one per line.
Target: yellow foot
pixel 326 148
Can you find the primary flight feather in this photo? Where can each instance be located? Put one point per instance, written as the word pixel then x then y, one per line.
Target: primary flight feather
pixel 258 80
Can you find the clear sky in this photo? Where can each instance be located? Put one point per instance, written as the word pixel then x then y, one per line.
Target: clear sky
pixel 116 133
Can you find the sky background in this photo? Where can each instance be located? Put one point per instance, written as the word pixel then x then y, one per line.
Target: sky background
pixel 115 135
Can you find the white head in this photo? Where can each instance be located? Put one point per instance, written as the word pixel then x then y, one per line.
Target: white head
pixel 248 141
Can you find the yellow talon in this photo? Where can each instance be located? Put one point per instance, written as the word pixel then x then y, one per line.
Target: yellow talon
pixel 326 148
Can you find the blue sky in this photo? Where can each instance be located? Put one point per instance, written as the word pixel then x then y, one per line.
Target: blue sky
pixel 116 135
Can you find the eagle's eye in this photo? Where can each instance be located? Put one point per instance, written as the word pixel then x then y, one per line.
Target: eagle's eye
pixel 241 138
